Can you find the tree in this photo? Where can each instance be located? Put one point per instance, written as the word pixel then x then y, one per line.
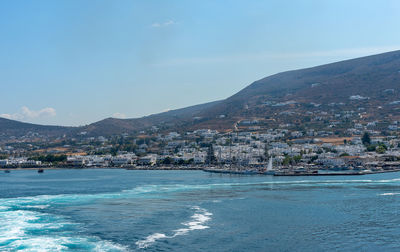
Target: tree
pixel 313 158
pixel 297 159
pixel 50 158
pixel 380 149
pixel 366 139
pixel 287 160
pixel 371 147
pixel 167 161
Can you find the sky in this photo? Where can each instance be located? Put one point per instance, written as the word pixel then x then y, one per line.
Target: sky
pixel 74 62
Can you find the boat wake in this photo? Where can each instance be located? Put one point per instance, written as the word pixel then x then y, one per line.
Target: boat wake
pixel 26 225
pixel 196 222
pixel 24 230
pixel 44 201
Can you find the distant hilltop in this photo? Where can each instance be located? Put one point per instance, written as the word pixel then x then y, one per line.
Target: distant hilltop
pixel 366 88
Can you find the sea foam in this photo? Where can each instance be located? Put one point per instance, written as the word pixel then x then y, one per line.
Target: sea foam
pixel 25 230
pixel 22 222
pixel 389 194
pixel 44 201
pixel 196 222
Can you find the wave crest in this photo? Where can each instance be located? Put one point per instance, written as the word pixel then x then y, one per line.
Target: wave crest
pixel 197 221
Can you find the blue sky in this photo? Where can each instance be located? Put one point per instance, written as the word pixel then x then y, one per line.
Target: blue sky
pixel 73 62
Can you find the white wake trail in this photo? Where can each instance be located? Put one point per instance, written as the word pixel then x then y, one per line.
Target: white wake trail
pixel 196 222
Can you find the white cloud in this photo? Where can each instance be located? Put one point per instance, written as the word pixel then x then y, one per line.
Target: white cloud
pixel 119 115
pixel 27 114
pixel 8 116
pixel 164 24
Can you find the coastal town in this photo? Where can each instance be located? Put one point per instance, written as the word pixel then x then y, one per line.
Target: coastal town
pixel 246 150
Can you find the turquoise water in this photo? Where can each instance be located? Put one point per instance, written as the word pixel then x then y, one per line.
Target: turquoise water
pixel 120 210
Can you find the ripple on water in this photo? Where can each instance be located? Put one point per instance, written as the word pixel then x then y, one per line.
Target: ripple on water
pixel 24 226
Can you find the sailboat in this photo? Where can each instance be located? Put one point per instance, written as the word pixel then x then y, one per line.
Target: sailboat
pixel 270 169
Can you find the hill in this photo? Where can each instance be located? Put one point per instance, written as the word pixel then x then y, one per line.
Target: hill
pixel 15 128
pixel 366 88
pixel 166 120
pixel 370 84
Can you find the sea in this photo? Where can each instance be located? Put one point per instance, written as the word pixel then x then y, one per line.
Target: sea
pixel 130 210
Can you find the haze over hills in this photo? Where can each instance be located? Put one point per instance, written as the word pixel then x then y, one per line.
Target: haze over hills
pixel 369 85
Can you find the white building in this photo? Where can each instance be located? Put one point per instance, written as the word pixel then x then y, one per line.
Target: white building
pixel 148 160
pixel 76 161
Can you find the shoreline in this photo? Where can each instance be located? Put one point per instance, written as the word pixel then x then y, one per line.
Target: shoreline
pixel 124 168
pixel 205 169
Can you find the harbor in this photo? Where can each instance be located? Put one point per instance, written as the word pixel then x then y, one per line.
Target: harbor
pixel 307 170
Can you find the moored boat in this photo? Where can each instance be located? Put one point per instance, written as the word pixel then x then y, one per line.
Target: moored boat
pixel 270 170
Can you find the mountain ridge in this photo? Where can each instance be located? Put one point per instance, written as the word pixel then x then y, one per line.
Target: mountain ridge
pixel 366 79
pixel 297 79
